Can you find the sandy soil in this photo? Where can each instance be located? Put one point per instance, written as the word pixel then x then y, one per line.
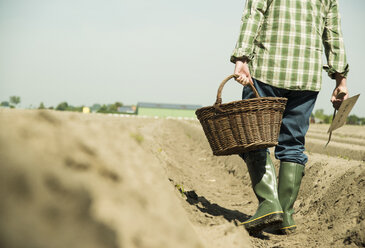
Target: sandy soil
pixel 75 180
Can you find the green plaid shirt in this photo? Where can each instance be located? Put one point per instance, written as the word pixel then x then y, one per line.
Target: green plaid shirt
pixel 284 39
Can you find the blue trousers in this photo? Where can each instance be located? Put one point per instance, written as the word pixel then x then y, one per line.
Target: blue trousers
pixel 295 121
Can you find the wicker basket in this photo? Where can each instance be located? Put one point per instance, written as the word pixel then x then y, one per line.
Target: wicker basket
pixel 241 126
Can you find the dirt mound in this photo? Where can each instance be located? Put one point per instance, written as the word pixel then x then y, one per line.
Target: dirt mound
pixel 331 205
pixel 71 180
pixel 79 180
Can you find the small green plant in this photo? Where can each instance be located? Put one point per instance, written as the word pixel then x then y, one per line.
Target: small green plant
pixel 180 188
pixel 137 137
pixel 344 157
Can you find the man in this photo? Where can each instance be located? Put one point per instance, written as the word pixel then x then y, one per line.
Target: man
pixel 280 49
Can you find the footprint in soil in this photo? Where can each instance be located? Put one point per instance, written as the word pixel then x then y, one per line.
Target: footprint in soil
pixel 109 174
pixel 76 165
pixel 87 149
pixel 214 209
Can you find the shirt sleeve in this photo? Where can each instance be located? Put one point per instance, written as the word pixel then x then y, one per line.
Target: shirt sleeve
pixel 333 43
pixel 253 16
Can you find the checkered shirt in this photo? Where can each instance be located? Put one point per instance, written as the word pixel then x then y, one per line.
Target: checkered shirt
pixel 283 41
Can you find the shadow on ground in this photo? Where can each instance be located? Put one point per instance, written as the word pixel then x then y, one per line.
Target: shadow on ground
pixel 214 209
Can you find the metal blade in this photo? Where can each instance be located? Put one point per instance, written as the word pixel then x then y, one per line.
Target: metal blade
pixel 339 119
pixel 343 112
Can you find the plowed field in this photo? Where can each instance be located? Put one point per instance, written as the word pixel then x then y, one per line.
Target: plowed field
pixel 77 180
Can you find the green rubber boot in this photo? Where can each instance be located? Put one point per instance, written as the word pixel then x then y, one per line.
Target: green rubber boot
pixel 262 173
pixel 290 178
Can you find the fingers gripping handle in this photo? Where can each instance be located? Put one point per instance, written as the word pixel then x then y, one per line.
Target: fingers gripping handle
pixel 218 102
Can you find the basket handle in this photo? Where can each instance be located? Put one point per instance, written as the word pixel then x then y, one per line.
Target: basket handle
pixel 218 102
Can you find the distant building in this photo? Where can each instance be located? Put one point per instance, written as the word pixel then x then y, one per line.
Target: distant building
pixel 166 110
pixel 86 110
pixel 128 109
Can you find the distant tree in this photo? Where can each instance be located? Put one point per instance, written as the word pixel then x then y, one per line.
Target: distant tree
pixel 319 114
pixel 41 106
pixel 118 104
pixel 327 119
pixel 75 109
pixel 62 106
pixel 95 107
pixel 362 121
pixel 114 107
pixel 103 109
pixel 15 100
pixel 5 104
pixel 50 107
pixel 353 120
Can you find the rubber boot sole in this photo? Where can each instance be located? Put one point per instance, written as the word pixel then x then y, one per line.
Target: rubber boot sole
pixel 257 225
pixel 288 230
pixel 279 230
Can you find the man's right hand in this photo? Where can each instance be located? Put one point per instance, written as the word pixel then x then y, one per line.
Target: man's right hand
pixel 242 71
pixel 340 93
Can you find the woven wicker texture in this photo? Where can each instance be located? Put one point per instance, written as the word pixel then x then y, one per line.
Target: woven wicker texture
pixel 241 126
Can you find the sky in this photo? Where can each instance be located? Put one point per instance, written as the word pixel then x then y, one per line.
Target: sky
pixel 162 51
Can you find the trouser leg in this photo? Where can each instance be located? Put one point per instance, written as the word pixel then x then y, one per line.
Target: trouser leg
pixel 295 124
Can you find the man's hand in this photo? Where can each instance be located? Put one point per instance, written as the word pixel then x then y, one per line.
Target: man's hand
pixel 242 71
pixel 340 93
